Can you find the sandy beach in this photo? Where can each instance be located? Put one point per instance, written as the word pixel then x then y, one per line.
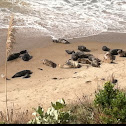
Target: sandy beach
pixel 41 88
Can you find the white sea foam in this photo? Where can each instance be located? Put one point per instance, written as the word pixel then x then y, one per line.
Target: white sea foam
pixel 66 18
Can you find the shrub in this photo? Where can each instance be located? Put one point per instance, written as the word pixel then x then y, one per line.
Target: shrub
pixel 54 115
pixel 112 104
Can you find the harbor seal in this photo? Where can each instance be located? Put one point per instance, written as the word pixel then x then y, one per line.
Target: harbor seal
pixel 73 64
pixel 82 48
pixel 69 51
pixel 23 51
pixel 121 53
pixel 49 63
pixel 77 55
pixel 84 61
pixel 105 48
pixel 108 57
pixel 91 58
pixel 114 51
pixel 70 64
pixel 95 63
pixel 26 57
pixel 13 56
pixel 22 73
pixel 60 40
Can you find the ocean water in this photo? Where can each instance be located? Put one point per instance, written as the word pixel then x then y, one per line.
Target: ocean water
pixel 66 18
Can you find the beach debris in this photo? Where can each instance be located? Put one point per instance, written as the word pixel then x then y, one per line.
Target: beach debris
pixel 103 79
pixel 121 53
pixel 49 63
pixel 83 61
pixel 55 78
pixel 114 51
pixel 24 73
pixel 40 68
pixel 105 48
pixel 70 64
pixel 75 72
pixel 88 82
pixel 60 40
pixel 69 51
pixel 13 56
pixel 82 48
pixel 112 79
pixel 2 76
pixel 26 57
pixel 108 57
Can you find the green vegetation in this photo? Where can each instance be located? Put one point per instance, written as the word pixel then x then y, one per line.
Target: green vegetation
pixel 112 104
pixel 108 107
pixel 54 115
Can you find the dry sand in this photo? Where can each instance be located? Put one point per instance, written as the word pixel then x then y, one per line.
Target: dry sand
pixel 41 89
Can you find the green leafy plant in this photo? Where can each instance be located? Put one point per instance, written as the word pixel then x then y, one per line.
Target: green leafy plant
pixel 54 114
pixel 112 104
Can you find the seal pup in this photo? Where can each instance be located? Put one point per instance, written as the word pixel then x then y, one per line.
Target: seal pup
pixel 108 57
pixel 13 56
pixel 2 76
pixel 49 63
pixel 22 73
pixel 121 53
